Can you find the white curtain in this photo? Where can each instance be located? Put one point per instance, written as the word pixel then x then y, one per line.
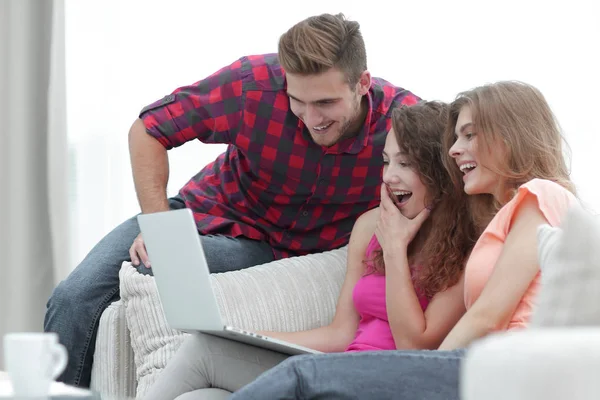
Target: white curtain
pixel 33 167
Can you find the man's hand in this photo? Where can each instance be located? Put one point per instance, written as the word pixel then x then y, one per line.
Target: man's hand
pixel 138 252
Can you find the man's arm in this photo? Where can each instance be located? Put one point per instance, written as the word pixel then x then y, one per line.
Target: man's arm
pixel 209 110
pixel 150 167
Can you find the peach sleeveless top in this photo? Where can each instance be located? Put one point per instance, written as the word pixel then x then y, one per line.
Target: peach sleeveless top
pixel 554 201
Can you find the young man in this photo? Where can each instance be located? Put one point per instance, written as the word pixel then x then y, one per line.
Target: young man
pixel 303 162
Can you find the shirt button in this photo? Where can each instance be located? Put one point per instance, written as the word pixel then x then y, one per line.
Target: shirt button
pixel 321 181
pixel 305 213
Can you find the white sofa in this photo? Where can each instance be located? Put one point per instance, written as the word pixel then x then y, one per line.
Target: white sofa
pixel 552 360
pixel 134 341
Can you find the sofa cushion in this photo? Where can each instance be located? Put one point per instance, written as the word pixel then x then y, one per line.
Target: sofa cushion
pixel 570 264
pixel 287 295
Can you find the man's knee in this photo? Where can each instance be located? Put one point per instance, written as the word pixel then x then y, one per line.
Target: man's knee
pixel 60 305
pixel 63 295
pixel 81 294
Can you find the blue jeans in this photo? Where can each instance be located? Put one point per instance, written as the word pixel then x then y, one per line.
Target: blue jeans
pixel 75 307
pixel 414 374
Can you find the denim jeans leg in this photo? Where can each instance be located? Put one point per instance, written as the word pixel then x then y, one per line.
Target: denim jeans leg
pixel 414 374
pixel 74 309
pixel 225 253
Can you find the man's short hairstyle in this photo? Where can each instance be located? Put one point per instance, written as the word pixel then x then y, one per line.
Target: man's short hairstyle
pixel 321 42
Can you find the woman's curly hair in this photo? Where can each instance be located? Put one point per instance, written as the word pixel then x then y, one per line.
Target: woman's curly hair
pixel 448 235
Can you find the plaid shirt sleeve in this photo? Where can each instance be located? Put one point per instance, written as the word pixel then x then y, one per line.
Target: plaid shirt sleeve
pixel 209 110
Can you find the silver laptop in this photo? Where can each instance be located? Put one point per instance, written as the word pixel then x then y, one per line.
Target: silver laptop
pixel 183 279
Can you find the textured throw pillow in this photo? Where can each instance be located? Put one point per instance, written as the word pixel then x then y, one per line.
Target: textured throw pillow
pixel 286 295
pixel 570 264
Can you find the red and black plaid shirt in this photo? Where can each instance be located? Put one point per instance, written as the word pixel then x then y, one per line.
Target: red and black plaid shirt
pixel 273 183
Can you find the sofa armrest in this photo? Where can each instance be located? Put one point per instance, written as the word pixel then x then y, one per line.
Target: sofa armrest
pixel 113 371
pixel 534 364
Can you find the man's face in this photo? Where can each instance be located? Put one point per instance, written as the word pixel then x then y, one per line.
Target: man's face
pixel 329 107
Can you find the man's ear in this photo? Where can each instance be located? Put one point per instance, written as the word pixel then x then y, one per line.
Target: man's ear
pixel 364 83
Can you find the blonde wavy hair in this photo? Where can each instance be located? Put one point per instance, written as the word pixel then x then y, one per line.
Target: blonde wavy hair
pixel 516 118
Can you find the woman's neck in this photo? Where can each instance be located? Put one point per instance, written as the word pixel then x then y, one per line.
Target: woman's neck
pixel 416 246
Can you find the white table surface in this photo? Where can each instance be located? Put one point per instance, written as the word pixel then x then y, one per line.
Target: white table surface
pixel 56 389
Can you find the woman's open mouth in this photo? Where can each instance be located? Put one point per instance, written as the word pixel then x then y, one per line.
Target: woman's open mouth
pixel 400 197
pixel 467 168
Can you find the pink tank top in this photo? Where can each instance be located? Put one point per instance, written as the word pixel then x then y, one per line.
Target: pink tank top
pixel 374 331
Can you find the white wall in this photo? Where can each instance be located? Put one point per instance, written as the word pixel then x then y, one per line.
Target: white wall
pixel 122 55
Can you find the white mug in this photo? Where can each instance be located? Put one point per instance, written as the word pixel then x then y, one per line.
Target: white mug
pixel 33 361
